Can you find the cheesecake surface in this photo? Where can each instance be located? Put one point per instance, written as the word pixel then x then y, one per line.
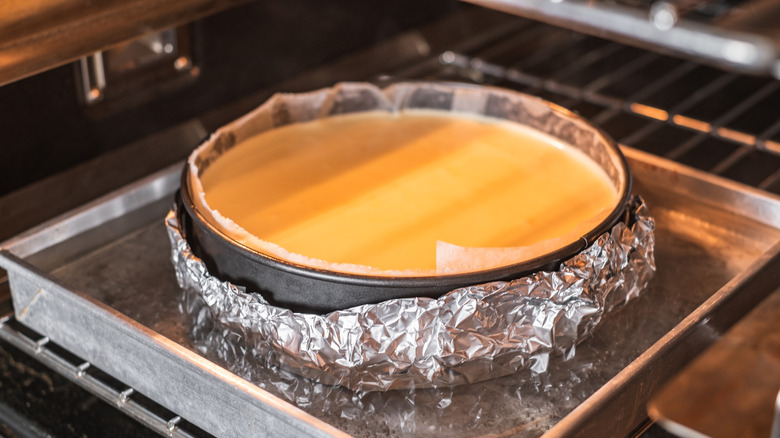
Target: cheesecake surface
pixel 419 192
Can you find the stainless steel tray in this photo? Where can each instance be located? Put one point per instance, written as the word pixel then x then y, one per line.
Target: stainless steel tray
pixel 732 388
pixel 98 282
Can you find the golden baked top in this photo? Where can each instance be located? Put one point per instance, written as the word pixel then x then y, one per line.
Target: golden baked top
pixel 419 192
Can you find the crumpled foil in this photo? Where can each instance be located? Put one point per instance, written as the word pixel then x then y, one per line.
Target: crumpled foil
pixel 468 335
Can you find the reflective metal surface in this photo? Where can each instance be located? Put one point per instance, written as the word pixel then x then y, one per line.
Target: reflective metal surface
pixel 152 364
pixel 38 35
pixel 739 38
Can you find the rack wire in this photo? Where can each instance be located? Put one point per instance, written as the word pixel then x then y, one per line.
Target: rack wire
pixel 740 34
pixel 96 382
pixel 718 121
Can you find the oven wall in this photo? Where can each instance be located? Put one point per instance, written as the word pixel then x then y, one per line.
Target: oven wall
pixel 46 129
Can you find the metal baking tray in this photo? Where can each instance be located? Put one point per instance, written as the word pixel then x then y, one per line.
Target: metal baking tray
pixel 98 282
pixel 732 388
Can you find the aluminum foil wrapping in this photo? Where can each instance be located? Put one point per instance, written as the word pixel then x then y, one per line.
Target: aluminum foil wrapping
pixel 467 335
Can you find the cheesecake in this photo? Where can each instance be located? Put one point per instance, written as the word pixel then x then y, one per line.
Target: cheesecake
pixel 409 193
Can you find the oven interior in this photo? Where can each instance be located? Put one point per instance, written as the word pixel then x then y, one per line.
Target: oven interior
pixel 706 109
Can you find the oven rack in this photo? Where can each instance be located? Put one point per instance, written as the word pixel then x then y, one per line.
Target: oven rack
pixel 718 121
pixel 739 34
pixel 94 381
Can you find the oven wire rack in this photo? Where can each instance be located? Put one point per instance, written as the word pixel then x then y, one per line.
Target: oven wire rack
pixel 722 122
pixel 739 34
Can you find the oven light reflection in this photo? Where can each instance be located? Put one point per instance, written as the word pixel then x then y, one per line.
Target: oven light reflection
pixel 649 111
pixel 692 123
